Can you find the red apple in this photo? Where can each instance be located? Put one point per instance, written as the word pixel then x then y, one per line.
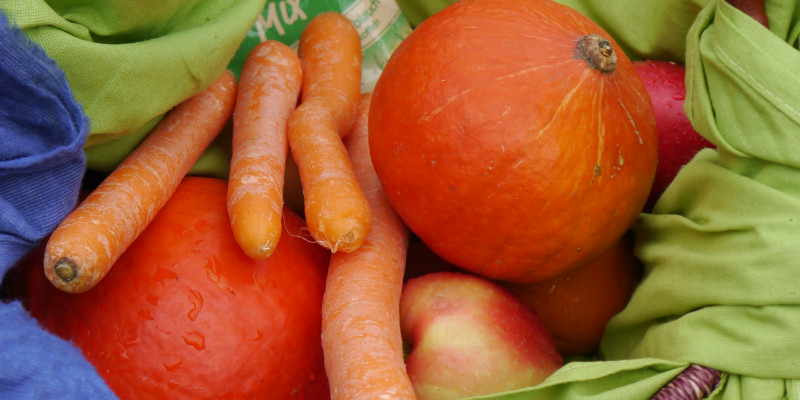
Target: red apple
pixel 678 142
pixel 469 336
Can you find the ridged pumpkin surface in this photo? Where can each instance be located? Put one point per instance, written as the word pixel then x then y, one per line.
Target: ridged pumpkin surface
pixel 503 147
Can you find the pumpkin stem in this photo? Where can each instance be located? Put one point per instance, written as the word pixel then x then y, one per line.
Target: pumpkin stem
pixel 597 51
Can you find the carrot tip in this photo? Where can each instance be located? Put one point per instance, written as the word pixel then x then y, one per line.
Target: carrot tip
pixel 260 252
pixel 66 269
pixel 346 244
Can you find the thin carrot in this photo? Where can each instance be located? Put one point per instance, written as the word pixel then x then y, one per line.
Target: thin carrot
pixel 269 87
pixel 91 238
pixel 335 208
pixel 361 340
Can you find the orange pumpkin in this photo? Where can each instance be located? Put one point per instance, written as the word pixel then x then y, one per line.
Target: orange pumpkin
pixel 513 137
pixel 576 306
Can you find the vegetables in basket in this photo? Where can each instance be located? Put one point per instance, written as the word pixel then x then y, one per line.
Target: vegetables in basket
pixel 719 289
pixel 719 299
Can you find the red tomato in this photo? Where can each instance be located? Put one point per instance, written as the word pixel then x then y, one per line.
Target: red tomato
pixel 186 314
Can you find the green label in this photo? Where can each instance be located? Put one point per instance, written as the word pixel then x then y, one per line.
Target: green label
pixel 380 24
pixel 382 27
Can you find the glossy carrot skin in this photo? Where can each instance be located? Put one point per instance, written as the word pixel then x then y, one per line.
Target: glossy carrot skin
pixel 361 336
pixel 82 249
pixel 335 208
pixel 330 51
pixel 269 87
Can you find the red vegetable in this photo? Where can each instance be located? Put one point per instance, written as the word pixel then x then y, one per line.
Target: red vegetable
pixel 678 142
pixel 89 240
pixel 186 314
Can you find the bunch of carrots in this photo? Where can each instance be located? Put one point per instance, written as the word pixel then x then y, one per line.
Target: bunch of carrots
pixel 309 102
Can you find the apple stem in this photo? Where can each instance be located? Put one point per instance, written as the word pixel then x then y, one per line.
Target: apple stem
pixel 597 51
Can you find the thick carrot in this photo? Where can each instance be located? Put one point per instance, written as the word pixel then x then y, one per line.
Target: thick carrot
pixel 335 208
pixel 91 238
pixel 361 337
pixel 269 87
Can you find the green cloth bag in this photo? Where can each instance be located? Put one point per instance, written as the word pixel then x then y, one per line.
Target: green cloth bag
pixel 129 62
pixel 722 264
pixel 662 37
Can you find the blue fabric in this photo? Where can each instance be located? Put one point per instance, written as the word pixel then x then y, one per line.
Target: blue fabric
pixel 42 131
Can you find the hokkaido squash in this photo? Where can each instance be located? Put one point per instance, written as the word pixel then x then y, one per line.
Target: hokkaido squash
pixel 514 137
pixel 577 305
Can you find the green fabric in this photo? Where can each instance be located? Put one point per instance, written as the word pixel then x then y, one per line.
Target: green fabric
pixel 721 254
pixel 720 249
pixel 662 37
pixel 600 380
pixel 129 62
pixel 649 29
pixel 417 11
pixel 721 277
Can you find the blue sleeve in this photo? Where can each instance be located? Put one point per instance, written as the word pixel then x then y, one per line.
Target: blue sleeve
pixel 42 131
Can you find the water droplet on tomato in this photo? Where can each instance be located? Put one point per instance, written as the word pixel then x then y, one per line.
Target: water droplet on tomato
pixel 127 338
pixel 163 274
pixel 679 96
pixel 172 366
pixel 261 281
pixel 195 339
pixel 212 269
pixel 197 304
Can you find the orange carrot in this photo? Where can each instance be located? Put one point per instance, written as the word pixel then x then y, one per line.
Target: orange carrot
pixel 91 238
pixel 335 208
pixel 361 340
pixel 269 87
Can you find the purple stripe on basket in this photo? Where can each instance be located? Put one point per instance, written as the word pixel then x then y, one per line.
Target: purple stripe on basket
pixel 694 383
